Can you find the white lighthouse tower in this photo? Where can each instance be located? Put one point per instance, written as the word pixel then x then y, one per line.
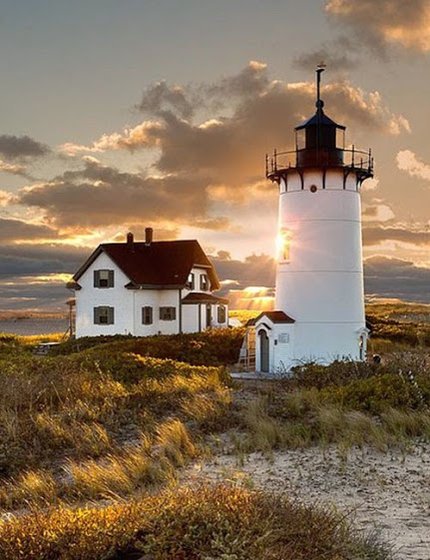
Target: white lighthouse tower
pixel 319 306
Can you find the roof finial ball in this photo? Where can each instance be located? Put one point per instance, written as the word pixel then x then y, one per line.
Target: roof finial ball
pixel 320 69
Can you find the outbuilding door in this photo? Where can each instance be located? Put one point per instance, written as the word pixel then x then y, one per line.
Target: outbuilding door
pixel 264 351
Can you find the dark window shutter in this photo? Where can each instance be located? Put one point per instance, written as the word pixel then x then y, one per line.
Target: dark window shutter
pixel 111 318
pixel 147 315
pixel 221 314
pixel 96 278
pixel 96 316
pixel 110 278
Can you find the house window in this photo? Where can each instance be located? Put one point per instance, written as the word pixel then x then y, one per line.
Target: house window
pixel 103 279
pixel 167 313
pixel 146 315
pixel 204 283
pixel 103 315
pixel 191 281
pixel 222 314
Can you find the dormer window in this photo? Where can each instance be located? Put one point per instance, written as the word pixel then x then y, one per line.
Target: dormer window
pixel 204 283
pixel 191 281
pixel 103 279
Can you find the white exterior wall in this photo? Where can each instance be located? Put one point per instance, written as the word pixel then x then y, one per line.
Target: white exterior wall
pixel 155 299
pixel 321 285
pixel 128 305
pixel 190 318
pixel 281 345
pixel 117 297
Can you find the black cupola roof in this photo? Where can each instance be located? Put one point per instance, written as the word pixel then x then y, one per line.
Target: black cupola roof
pixel 319 136
pixel 320 144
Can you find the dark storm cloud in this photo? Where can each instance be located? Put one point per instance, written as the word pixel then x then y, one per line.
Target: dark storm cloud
pixel 29 292
pixel 384 277
pixel 255 270
pixel 377 235
pixel 384 23
pixel 11 230
pixel 100 195
pixel 396 278
pixel 21 147
pixel 40 259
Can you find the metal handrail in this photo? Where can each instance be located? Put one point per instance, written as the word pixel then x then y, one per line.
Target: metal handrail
pixel 352 158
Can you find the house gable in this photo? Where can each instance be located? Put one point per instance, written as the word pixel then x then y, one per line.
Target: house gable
pixel 160 265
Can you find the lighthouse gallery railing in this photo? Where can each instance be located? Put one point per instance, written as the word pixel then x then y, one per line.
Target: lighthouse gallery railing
pixel 349 158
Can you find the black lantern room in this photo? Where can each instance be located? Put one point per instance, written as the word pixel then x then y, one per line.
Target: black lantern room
pixel 320 143
pixel 319 140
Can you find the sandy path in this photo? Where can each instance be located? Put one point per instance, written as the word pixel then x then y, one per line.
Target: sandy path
pixel 385 491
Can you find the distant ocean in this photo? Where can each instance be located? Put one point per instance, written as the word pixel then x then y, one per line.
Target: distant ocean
pixel 33 325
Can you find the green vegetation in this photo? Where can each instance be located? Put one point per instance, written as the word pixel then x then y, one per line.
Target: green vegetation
pixel 111 420
pixel 190 524
pixel 399 324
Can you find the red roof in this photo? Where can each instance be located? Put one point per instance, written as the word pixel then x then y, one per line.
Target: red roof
pixel 199 297
pixel 157 264
pixel 275 317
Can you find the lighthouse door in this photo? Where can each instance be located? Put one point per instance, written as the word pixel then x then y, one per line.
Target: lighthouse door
pixel 264 351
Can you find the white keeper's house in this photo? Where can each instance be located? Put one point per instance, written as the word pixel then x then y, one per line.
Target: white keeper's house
pixel 146 288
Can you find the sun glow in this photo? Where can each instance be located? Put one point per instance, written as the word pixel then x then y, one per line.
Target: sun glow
pixel 283 245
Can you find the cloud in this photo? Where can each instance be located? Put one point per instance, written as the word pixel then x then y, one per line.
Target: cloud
pixel 199 168
pixel 377 211
pixel 385 23
pixel 100 195
pixel 261 112
pixel 6 198
pixel 31 258
pixel 408 161
pixel 250 283
pixel 254 270
pixel 12 230
pixel 250 81
pixel 143 135
pixel 377 235
pixel 161 96
pixel 396 278
pixel 21 147
pixel 34 292
pixel 336 55
pixel 13 168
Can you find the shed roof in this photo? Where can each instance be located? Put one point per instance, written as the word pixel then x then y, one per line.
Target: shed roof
pixel 199 297
pixel 275 317
pixel 159 263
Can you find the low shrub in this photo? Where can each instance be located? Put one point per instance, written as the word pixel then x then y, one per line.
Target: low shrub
pixel 205 523
pixel 210 348
pixel 86 405
pixel 374 395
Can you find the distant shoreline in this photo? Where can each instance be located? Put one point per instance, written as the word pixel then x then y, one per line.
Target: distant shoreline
pixel 33 323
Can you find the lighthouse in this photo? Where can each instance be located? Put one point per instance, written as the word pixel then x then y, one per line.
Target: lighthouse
pixel 319 305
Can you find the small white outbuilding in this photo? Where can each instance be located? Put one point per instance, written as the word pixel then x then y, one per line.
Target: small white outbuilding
pixel 146 288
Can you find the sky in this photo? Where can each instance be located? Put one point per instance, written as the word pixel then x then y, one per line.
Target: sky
pixel 116 116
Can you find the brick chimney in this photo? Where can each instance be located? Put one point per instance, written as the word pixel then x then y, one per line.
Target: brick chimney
pixel 148 235
pixel 130 240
